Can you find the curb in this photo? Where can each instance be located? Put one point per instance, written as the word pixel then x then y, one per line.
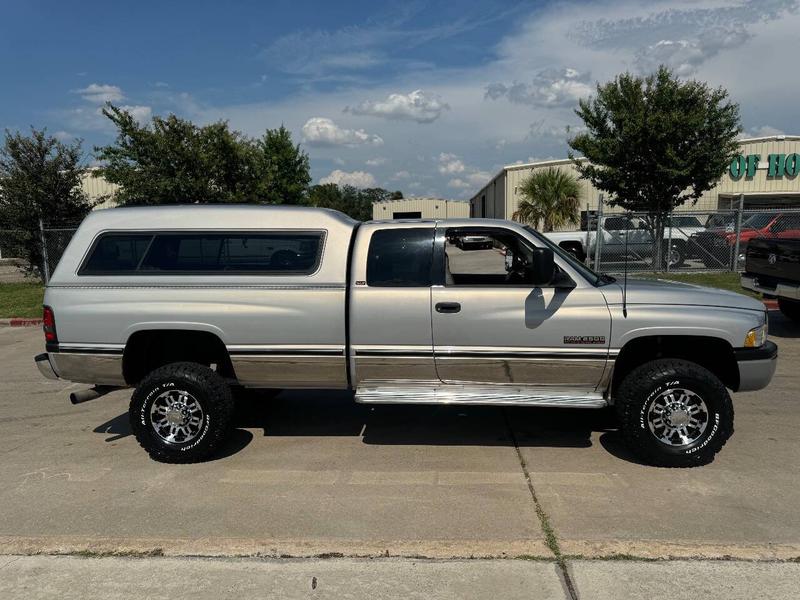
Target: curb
pixel 20 322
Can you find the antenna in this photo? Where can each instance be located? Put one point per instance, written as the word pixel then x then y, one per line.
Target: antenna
pixel 625 272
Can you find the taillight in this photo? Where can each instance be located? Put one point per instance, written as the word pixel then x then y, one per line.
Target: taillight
pixel 49 325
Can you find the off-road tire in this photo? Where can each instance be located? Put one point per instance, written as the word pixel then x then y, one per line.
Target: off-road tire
pixel 789 308
pixel 642 386
pixel 209 390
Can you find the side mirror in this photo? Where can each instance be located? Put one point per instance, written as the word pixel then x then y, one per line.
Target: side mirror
pixel 540 271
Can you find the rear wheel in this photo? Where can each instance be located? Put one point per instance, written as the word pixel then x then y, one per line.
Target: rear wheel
pixel 790 308
pixel 674 413
pixel 675 256
pixel 181 412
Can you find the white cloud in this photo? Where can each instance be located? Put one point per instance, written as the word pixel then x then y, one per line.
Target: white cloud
pixel 550 87
pixel 338 161
pixel 359 179
pixel 415 106
pixel 684 57
pixel 141 114
pixel 459 184
pixel 63 136
pixel 319 131
pixel 375 162
pixel 100 93
pixel 602 38
pixel 763 131
pixel 400 175
pixel 450 163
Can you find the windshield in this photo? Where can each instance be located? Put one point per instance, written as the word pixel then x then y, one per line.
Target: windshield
pixel 586 272
pixel 758 220
pixel 685 222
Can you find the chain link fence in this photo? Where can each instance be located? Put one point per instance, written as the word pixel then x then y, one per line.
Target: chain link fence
pixel 28 254
pixel 689 240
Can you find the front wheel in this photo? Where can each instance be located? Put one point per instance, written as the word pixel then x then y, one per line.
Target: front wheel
pixel 181 412
pixel 674 413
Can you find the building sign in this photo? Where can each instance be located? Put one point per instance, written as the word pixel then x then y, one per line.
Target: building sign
pixel 778 165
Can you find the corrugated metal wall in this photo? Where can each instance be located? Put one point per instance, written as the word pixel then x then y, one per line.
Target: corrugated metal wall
pixel 428 208
pixel 98 187
pixel 760 184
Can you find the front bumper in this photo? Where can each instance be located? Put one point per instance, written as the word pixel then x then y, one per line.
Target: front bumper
pixel 782 290
pixel 756 366
pixel 45 366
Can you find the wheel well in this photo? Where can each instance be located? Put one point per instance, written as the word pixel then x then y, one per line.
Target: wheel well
pixel 148 350
pixel 575 248
pixel 714 354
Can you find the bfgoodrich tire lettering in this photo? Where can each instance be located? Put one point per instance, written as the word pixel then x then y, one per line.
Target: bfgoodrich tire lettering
pixel 674 413
pixel 181 412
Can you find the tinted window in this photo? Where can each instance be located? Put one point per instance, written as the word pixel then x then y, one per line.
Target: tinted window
pixel 215 253
pixel 234 252
pixel 400 258
pixel 116 253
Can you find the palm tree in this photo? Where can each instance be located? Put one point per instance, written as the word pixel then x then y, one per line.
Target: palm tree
pixel 551 198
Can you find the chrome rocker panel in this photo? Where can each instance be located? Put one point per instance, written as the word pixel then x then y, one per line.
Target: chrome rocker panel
pixel 476 395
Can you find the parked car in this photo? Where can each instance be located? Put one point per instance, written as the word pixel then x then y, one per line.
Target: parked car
pixel 640 239
pixel 716 246
pixel 190 305
pixel 472 242
pixel 772 267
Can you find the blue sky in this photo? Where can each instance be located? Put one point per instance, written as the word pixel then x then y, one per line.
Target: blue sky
pixel 427 97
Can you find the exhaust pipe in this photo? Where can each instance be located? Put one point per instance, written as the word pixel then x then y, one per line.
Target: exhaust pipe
pixel 91 393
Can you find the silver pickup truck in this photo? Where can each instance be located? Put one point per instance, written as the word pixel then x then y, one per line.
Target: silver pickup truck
pixel 190 305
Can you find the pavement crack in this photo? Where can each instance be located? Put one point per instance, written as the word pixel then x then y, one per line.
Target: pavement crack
pixel 551 539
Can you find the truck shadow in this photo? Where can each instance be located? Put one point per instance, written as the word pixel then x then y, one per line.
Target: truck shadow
pixel 316 413
pixel 782 327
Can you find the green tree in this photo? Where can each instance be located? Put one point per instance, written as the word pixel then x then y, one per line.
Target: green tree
pixel 174 161
pixel 356 203
pixel 286 165
pixel 40 179
pixel 550 198
pixel 654 143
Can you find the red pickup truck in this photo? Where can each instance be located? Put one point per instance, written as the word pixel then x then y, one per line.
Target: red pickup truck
pixel 716 245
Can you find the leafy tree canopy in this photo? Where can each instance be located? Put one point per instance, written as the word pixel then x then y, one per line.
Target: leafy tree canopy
pixel 350 200
pixel 174 161
pixel 656 142
pixel 550 199
pixel 40 178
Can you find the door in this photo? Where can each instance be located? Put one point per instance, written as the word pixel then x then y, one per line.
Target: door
pixel 490 326
pixel 390 306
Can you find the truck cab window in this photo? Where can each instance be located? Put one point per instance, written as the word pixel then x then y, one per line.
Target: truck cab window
pixel 480 257
pixel 400 258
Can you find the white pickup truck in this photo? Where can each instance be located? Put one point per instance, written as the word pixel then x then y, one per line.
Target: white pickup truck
pixel 191 305
pixel 640 246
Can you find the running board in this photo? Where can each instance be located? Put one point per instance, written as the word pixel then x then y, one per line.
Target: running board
pixel 499 395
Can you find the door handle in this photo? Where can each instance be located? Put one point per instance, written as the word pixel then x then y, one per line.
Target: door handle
pixel 448 307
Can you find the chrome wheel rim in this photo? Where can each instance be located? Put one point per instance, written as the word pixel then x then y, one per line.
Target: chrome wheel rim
pixel 677 417
pixel 176 416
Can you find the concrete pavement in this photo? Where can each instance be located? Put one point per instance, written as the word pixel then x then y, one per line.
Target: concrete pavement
pixel 312 473
pixel 67 577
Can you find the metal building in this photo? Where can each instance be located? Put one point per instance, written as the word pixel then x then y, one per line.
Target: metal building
pixel 97 188
pixel 766 172
pixel 421 208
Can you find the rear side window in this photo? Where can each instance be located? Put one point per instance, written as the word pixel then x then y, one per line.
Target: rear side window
pixel 400 258
pixel 116 253
pixel 210 253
